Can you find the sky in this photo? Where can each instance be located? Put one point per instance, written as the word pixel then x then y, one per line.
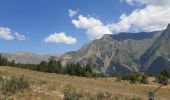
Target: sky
pixel 59 26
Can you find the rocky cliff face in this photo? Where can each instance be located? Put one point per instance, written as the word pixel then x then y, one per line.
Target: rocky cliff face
pixel 123 52
pixel 157 54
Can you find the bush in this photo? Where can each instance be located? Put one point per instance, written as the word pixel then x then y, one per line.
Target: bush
pixel 78 70
pixel 163 77
pixel 87 74
pixel 104 96
pixel 118 78
pixel 71 94
pixel 15 84
pixel 3 61
pixel 2 76
pixel 144 79
pixel 134 77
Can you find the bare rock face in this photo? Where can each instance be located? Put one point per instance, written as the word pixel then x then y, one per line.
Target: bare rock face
pixel 123 52
pixel 157 53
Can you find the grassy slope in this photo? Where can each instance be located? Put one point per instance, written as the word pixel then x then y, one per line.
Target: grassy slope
pixel 50 86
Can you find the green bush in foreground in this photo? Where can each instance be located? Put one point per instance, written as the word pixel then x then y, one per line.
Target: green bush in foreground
pixel 163 76
pixel 144 79
pixel 15 84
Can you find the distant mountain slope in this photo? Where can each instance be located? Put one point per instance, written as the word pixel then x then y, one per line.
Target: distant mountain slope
pixel 116 54
pixel 158 65
pixel 26 57
pixel 159 49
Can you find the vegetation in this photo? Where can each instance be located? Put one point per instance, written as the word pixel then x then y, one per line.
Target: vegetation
pixel 48 86
pixel 3 61
pixel 144 79
pixel 163 77
pixel 71 94
pixel 14 84
pixel 54 66
pixel 104 96
pixel 78 70
pixel 134 77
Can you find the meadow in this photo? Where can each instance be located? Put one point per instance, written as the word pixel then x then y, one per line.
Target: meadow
pixel 51 86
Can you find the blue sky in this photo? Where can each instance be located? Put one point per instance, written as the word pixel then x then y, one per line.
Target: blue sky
pixel 45 27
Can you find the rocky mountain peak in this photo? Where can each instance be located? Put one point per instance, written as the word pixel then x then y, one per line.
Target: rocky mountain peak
pixel 123 52
pixel 168 28
pixel 168 25
pixel 167 32
pixel 106 36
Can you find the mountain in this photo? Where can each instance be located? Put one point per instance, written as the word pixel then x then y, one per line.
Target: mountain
pixel 158 52
pixel 26 57
pixel 157 65
pixel 124 52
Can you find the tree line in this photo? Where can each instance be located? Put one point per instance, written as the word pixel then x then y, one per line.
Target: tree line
pixel 55 66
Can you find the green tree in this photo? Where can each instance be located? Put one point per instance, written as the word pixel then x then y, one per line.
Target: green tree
pixel 132 77
pixel 54 66
pixel 89 69
pixel 3 61
pixel 163 76
pixel 144 78
pixel 43 66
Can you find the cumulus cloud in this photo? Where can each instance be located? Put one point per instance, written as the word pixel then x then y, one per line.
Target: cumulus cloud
pixel 72 12
pixel 149 2
pixel 155 16
pixel 20 36
pixel 133 2
pixel 94 27
pixel 7 34
pixel 60 38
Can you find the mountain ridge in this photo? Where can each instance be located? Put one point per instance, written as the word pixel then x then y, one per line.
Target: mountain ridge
pixel 26 57
pixel 119 53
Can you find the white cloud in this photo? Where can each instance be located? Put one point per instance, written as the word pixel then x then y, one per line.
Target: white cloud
pixel 60 38
pixel 94 27
pixel 160 3
pixel 6 34
pixel 149 2
pixel 132 2
pixel 20 36
pixel 72 12
pixel 155 16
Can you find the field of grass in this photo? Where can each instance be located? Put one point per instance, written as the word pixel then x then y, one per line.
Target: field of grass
pixel 46 86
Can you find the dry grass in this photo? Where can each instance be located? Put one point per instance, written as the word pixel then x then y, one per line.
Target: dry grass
pixel 46 86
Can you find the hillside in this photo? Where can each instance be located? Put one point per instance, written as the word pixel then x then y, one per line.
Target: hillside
pixel 123 52
pixel 27 57
pixel 45 86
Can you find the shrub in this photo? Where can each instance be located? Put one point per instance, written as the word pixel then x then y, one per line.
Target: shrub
pixel 163 77
pixel 144 79
pixel 15 84
pixel 71 94
pixel 3 61
pixel 118 78
pixel 2 76
pixel 132 77
pixel 87 74
pixel 104 96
